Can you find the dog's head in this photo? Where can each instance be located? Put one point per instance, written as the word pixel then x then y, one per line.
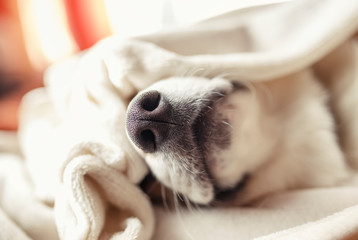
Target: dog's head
pixel 198 136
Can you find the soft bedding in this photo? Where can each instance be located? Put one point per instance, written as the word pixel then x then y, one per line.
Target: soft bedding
pixel 77 174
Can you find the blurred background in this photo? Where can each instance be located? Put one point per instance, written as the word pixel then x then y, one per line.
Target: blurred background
pixel 36 33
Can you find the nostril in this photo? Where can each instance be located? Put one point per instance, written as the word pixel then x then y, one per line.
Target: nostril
pixel 150 100
pixel 148 140
pixel 150 120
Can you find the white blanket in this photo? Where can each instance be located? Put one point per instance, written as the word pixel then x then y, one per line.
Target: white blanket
pixel 84 172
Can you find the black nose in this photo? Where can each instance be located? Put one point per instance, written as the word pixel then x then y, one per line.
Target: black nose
pixel 149 120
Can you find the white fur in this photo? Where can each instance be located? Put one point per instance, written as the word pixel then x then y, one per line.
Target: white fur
pixel 286 139
pixel 282 135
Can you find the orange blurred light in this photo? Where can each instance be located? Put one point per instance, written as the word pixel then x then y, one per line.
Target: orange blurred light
pixel 46 33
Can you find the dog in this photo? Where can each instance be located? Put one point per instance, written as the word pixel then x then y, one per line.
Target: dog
pixel 205 137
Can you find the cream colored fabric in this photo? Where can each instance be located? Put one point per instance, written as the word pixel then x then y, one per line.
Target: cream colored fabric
pixel 287 212
pixel 80 161
pixel 22 215
pixel 77 164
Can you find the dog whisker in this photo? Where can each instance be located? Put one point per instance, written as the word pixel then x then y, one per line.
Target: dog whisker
pixel 219 93
pixel 189 72
pixel 227 123
pixel 188 204
pixel 175 201
pixel 195 72
pixel 179 214
pixel 181 72
pixel 164 197
pixel 179 197
pixel 196 172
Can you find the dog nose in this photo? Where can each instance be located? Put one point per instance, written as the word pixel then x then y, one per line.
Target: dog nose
pixel 149 120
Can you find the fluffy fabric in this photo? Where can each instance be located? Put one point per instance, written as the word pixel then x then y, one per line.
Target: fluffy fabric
pixel 84 172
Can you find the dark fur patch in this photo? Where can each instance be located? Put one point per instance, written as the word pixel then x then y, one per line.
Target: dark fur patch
pixel 198 130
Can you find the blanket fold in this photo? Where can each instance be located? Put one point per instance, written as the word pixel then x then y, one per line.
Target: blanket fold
pixel 19 207
pixel 72 132
pixel 92 186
